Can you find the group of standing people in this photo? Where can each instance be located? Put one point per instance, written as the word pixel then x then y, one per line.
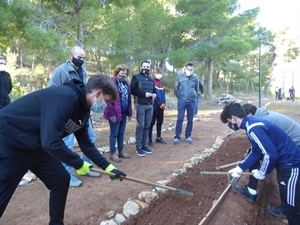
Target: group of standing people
pixel 37 139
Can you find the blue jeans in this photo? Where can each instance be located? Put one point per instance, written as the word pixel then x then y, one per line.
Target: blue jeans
pixel 69 142
pixel 143 119
pixel 181 107
pixel 117 133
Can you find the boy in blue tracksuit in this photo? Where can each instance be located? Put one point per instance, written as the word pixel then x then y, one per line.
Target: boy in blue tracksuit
pixel 158 107
pixel 279 151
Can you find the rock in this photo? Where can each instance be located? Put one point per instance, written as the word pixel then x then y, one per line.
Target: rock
pixel 147 196
pixel 130 208
pixel 131 140
pixel 110 214
pixel 108 222
pixel 141 204
pixel 120 218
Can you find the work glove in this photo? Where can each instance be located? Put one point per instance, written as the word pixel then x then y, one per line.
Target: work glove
pixel 235 172
pixel 162 106
pixel 113 119
pixel 84 169
pixel 118 173
pixel 258 175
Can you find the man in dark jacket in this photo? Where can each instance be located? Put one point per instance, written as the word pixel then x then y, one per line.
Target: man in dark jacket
pixel 32 129
pixel 142 87
pixel 186 89
pixel 5 83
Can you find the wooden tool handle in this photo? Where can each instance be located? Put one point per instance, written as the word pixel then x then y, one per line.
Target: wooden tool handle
pixel 223 173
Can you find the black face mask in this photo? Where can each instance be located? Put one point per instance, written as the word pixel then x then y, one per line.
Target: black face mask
pixel 145 71
pixel 77 62
pixel 233 126
pixel 122 77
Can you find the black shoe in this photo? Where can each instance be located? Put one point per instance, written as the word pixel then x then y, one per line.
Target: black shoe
pixel 276 211
pixel 243 191
pixel 150 143
pixel 160 140
pixel 147 150
pixel 140 152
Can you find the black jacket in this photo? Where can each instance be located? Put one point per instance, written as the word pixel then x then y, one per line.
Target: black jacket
pixel 40 120
pixel 139 85
pixel 5 88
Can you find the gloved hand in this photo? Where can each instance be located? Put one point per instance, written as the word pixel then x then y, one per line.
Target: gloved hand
pixel 235 172
pixel 113 119
pixel 258 175
pixel 162 106
pixel 118 173
pixel 84 169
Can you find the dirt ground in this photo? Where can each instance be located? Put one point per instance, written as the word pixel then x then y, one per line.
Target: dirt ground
pixel 89 204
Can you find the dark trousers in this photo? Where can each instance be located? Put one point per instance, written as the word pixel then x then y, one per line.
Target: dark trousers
pixel 13 166
pixel 158 117
pixel 189 107
pixel 289 188
pixel 117 132
pixel 143 118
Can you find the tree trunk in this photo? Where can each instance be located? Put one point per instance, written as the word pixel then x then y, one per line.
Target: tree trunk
pixel 78 7
pixel 210 76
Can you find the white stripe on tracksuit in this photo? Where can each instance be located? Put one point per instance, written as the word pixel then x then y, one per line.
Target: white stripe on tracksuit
pixel 291 188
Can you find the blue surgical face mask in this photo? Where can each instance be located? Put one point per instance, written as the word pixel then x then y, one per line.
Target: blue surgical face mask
pixel 98 107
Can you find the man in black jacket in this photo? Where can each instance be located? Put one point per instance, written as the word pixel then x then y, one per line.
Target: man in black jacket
pixel 32 129
pixel 142 87
pixel 5 83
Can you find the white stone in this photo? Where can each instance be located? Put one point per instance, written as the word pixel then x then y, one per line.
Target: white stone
pixel 120 218
pixel 108 222
pixel 130 208
pixel 131 140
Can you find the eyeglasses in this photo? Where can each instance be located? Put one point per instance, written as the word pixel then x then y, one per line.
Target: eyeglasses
pixel 123 74
pixel 2 63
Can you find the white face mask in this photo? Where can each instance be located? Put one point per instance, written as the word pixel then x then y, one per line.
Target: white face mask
pixel 158 76
pixel 189 73
pixel 2 67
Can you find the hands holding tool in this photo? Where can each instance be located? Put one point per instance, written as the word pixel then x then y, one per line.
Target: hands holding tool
pixel 118 173
pixel 235 172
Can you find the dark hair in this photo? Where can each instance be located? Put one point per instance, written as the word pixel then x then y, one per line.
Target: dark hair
pixel 157 70
pixel 189 64
pixel 119 68
pixel 249 108
pixel 103 82
pixel 145 61
pixel 232 109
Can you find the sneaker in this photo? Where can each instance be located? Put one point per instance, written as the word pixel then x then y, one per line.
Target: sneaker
pixel 160 140
pixel 276 211
pixel 74 182
pixel 140 152
pixel 189 140
pixel 150 143
pixel 244 192
pixel 176 141
pixel 147 150
pixel 92 174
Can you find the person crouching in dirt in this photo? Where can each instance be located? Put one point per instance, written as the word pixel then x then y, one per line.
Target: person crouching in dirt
pixel 278 150
pixel 32 129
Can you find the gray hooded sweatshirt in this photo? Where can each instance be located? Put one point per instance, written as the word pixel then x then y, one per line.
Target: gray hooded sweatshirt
pixel 289 126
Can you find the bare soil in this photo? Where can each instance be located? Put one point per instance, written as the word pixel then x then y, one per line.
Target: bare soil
pixel 89 204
